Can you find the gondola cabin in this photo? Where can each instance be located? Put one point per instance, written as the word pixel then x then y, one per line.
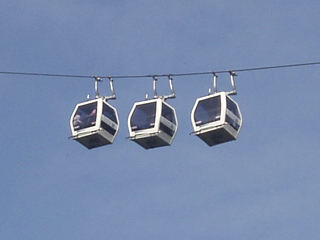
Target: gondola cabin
pixel 216 118
pixel 152 123
pixel 94 123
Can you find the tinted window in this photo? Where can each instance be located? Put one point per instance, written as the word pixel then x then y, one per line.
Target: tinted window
pixel 167 130
pixel 143 116
pixel 208 110
pixel 109 113
pixel 108 128
pixel 168 113
pixel 85 116
pixel 232 107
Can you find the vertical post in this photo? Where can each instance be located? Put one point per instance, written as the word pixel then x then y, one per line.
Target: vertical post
pixel 215 86
pixel 155 94
pixel 233 84
pixel 173 93
pixel 113 96
pixel 97 79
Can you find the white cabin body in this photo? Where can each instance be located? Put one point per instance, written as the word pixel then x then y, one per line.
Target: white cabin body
pixel 216 118
pixel 94 123
pixel 152 123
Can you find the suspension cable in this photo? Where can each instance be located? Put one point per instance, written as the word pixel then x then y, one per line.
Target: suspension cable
pixel 163 75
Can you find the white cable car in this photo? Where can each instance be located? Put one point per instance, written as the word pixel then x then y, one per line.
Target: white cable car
pixel 95 123
pixel 216 118
pixel 153 123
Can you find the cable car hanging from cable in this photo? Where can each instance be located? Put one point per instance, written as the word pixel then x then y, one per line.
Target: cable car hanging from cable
pixel 95 122
pixel 217 118
pixel 153 122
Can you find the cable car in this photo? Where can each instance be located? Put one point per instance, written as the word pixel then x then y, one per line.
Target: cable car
pixel 95 123
pixel 153 123
pixel 217 118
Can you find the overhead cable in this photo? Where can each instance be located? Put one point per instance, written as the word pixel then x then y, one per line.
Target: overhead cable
pixel 46 74
pixel 163 75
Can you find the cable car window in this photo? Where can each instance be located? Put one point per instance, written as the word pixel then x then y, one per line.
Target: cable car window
pixel 234 109
pixel 85 116
pixel 167 130
pixel 168 113
pixel 109 113
pixel 208 110
pixel 143 116
pixel 108 128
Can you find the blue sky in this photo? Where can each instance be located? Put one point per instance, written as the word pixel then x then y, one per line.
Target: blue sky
pixel 265 185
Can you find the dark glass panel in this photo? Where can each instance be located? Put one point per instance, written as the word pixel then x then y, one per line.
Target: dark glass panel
pixel 85 116
pixel 108 128
pixel 109 113
pixel 166 129
pixel 233 107
pixel 232 122
pixel 143 116
pixel 208 110
pixel 168 113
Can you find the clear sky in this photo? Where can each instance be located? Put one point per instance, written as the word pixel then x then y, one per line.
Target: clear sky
pixel 265 185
